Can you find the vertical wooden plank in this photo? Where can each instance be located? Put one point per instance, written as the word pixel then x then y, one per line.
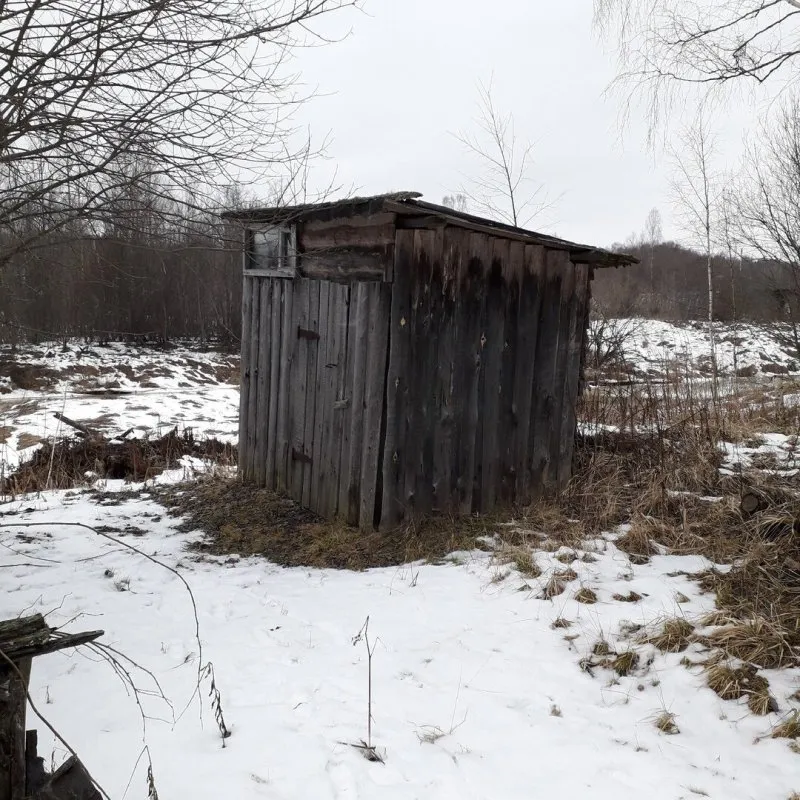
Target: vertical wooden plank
pixel 567 309
pixel 274 373
pixel 470 309
pixel 311 391
pixel 283 460
pixel 397 384
pixel 345 401
pixel 252 400
pixel 494 335
pixel 577 333
pixel 352 446
pixel 263 383
pixel 530 304
pixel 374 395
pixel 336 367
pixel 419 411
pixel 323 401
pixel 13 704
pixel 507 422
pixel 445 402
pixel 544 371
pixel 244 379
pixel 297 388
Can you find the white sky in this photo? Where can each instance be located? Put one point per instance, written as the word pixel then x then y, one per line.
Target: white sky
pixel 406 79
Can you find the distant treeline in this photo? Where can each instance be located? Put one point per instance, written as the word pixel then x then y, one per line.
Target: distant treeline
pixel 120 285
pixel 671 283
pixel 166 285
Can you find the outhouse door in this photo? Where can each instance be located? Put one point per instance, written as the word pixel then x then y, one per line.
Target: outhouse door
pixel 336 375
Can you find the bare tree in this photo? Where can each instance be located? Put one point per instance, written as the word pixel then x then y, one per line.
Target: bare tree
pixel 651 238
pixel 765 210
pixel 187 94
pixel 703 44
pixel 697 192
pixel 457 201
pixel 503 189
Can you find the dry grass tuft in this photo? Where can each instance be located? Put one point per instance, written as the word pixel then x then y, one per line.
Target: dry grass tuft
pixel 560 622
pixel 519 556
pixel 637 541
pixel 601 648
pixel 589 558
pixel 586 595
pixel 554 587
pixel 732 683
pixel 757 641
pixel 762 703
pixel 568 574
pixel 674 637
pixel 631 597
pixel 715 618
pixel 681 598
pixel 625 663
pixel 567 557
pixel 788 728
pixel 665 722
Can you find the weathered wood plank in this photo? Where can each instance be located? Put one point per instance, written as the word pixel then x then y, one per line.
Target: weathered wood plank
pixel 13 703
pixel 577 333
pixel 335 366
pixel 274 376
pixel 374 395
pixel 567 309
pixel 324 402
pixel 343 265
pixel 445 401
pixel 507 422
pixel 252 400
pixel 244 379
pixel 392 502
pixel 419 410
pixel 311 391
pixel 283 458
pixel 494 333
pixel 469 311
pixel 544 371
pixel 297 388
pixel 530 304
pixel 264 388
pixel 370 230
pixel 352 445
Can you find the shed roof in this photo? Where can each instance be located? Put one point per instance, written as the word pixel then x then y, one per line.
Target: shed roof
pixel 410 204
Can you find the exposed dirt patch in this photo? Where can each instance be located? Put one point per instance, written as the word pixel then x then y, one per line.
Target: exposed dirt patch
pixel 5 433
pixel 29 377
pixel 243 519
pixel 26 440
pixel 66 463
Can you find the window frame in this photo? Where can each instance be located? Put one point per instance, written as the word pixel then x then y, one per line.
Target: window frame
pixel 286 266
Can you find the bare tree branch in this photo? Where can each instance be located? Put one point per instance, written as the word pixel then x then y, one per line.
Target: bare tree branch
pixel 503 189
pixel 711 44
pixel 185 95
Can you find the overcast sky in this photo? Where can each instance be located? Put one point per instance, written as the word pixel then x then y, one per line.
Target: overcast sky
pixel 398 87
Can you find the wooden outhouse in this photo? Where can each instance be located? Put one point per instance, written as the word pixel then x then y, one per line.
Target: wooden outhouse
pixel 400 357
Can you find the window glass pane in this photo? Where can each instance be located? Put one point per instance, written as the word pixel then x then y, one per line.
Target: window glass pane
pixel 267 249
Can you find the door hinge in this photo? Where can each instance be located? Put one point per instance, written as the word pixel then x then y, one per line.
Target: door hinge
pixel 305 333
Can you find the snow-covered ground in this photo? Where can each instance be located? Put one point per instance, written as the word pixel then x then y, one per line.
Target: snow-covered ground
pixel 113 388
pixel 475 695
pixel 655 347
